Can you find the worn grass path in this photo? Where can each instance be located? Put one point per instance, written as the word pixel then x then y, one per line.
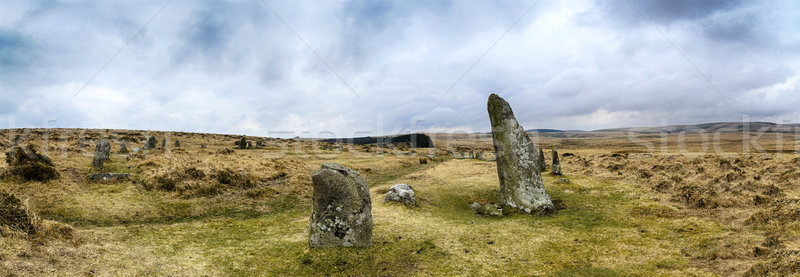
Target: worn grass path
pixel 605 230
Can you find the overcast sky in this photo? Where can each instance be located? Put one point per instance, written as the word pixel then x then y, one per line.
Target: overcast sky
pixel 352 68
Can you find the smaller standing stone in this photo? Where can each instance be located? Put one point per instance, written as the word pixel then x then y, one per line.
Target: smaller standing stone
pixel 203 146
pixel 249 145
pixel 341 212
pixel 151 143
pixel 479 155
pixel 101 153
pixel 164 144
pixel 259 143
pixel 242 143
pixel 542 163
pixel 177 144
pixel 556 164
pixel 401 193
pixel 123 147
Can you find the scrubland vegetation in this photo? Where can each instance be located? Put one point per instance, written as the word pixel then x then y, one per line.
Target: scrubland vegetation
pixel 627 205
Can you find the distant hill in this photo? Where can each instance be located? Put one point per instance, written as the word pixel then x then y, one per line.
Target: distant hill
pixel 544 131
pixel 712 128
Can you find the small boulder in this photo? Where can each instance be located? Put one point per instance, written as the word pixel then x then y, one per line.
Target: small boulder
pixel 202 146
pixel 401 193
pixel 341 208
pixel 490 209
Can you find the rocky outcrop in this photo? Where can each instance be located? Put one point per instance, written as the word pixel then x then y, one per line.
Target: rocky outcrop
pixel 342 209
pixel 521 183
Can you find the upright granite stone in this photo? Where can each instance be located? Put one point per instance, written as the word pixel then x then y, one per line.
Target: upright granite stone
pixel 101 153
pixel 259 143
pixel 164 143
pixel 542 163
pixel 342 210
pixel 242 143
pixel 123 147
pixel 556 170
pixel 177 144
pixel 151 143
pixel 521 183
pixel 249 145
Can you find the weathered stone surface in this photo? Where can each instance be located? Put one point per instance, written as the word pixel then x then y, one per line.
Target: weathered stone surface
pixel 259 143
pixel 109 176
pixel 151 143
pixel 123 147
pixel 521 183
pixel 164 143
pixel 486 210
pixel 556 170
pixel 479 155
pixel 177 144
pixel 242 143
pixel 102 152
pixel 249 145
pixel 542 163
pixel 401 193
pixel 342 210
pixel 203 146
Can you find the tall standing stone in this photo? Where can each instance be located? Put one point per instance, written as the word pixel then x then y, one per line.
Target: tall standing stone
pixel 556 170
pixel 249 145
pixel 342 208
pixel 259 143
pixel 242 143
pixel 521 183
pixel 101 153
pixel 177 144
pixel 151 143
pixel 542 163
pixel 164 144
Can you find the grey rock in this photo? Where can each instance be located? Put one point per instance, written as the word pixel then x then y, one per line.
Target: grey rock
pixel 203 146
pixel 150 143
pixel 521 183
pixel 341 208
pixel 479 155
pixel 542 163
pixel 249 145
pixel 136 150
pixel 259 143
pixel 486 210
pixel 556 168
pixel 563 180
pixel 102 152
pixel 401 193
pixel 242 143
pixel 177 144
pixel 164 143
pixel 475 206
pixel 123 147
pixel 109 176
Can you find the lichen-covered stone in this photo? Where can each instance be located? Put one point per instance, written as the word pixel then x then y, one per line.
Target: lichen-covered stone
pixel 521 183
pixel 102 153
pixel 342 208
pixel 123 147
pixel 401 193
pixel 556 170
pixel 242 143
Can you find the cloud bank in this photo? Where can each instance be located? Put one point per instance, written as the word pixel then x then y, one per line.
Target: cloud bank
pixel 350 68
